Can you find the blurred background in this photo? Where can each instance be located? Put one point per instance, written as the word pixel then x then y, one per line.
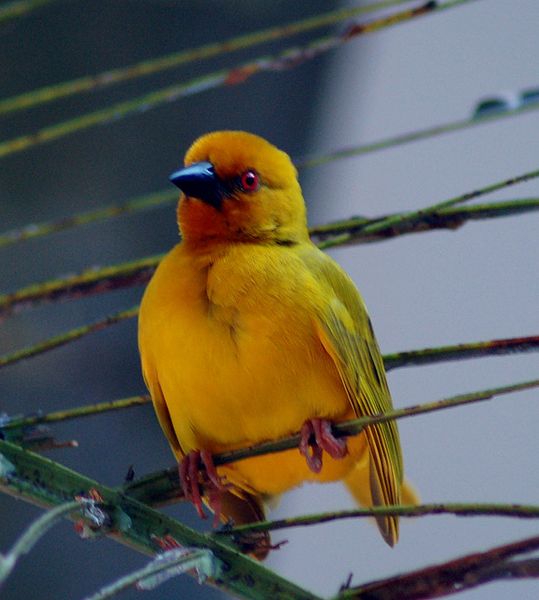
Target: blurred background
pixel 478 283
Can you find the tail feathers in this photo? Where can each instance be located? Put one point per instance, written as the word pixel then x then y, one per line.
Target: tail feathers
pixel 241 510
pixel 363 484
pixel 410 496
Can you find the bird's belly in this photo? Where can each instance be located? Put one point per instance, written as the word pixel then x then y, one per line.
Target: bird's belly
pixel 273 474
pixel 230 387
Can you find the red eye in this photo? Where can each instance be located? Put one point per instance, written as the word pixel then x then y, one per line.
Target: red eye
pixel 249 181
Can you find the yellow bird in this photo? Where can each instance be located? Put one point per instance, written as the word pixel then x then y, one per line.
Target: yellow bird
pixel 248 333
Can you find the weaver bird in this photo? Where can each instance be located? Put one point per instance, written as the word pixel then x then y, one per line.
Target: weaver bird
pixel 248 333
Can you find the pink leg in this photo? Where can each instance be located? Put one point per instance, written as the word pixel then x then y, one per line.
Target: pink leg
pixel 335 447
pixel 324 439
pixel 309 449
pixel 189 470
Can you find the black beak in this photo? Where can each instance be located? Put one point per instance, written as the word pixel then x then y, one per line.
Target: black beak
pixel 199 180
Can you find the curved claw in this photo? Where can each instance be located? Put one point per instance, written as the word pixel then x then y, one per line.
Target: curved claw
pixel 189 471
pixel 309 448
pixel 316 436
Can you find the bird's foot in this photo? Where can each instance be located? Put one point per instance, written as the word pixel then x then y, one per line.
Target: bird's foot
pixel 189 469
pixel 316 436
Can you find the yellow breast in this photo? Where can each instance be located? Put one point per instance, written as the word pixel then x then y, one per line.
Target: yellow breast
pixel 230 337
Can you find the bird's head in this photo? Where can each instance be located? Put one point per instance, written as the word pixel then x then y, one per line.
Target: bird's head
pixel 237 187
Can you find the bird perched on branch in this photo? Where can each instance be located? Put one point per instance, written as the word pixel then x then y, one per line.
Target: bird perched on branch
pixel 249 333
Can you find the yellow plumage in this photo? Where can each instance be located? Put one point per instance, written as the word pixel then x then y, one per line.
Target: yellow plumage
pixel 247 331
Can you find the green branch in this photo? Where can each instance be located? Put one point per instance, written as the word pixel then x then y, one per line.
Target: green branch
pixel 19 8
pixel 181 561
pixel 32 535
pixel 408 219
pixel 163 486
pixel 235 76
pixel 92 83
pixel 46 483
pixel 395 360
pixel 14 427
pixel 391 361
pixel 418 135
pixel 76 413
pixel 448 218
pixel 518 511
pixel 91 281
pixel 429 356
pixel 139 272
pixel 453 576
pixel 135 205
pixel 65 338
pixel 357 425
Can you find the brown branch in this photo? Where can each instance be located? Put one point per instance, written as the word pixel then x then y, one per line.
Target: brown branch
pixel 517 511
pixel 453 576
pixel 449 218
pixel 91 281
pixel 429 356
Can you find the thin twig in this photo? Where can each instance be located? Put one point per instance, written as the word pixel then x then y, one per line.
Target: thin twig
pixel 135 205
pixel 92 83
pixel 163 486
pixel 416 136
pixel 453 576
pixel 139 272
pixel 448 218
pixel 65 338
pixel 237 75
pixel 429 356
pixel 518 511
pixel 396 360
pixel 19 8
pixel 32 535
pixel 408 358
pixel 357 425
pixel 75 413
pixel 183 562
pixel 405 219
pixel 91 281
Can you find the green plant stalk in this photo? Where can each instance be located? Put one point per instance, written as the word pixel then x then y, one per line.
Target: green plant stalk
pixel 91 281
pixel 448 218
pixel 76 413
pixel 32 535
pixel 405 219
pixel 429 356
pixel 47 483
pixel 425 356
pixel 135 205
pixel 235 76
pixel 409 358
pixel 91 83
pixel 139 272
pixel 19 8
pixel 355 426
pixel 163 486
pixel 64 338
pixel 518 511
pixel 414 136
